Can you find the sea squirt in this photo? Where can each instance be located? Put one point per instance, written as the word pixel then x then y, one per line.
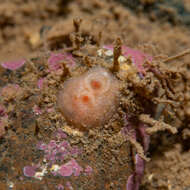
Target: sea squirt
pixel 90 99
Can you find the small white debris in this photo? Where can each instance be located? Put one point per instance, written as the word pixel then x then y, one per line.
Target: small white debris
pixel 55 168
pixel 10 184
pixel 121 59
pixel 40 175
pixel 109 53
pixel 150 177
pixel 100 52
pixel 44 160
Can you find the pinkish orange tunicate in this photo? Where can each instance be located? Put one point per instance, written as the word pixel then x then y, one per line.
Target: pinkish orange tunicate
pixel 90 99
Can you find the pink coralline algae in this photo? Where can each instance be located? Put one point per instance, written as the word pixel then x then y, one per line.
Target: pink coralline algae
pixel 29 171
pixel 89 99
pixel 71 167
pixel 134 180
pixel 37 110
pixel 54 61
pixel 55 65
pixel 3 113
pixel 66 170
pixel 69 186
pixel 11 91
pixel 40 83
pixel 59 134
pixel 138 57
pixel 60 187
pixel 60 158
pixel 88 170
pixel 56 151
pixel 13 65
